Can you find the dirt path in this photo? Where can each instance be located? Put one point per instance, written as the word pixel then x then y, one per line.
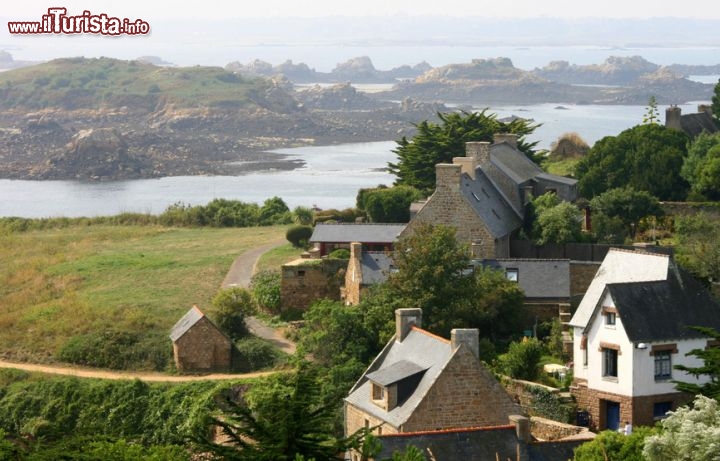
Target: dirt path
pixel 240 273
pixel 104 374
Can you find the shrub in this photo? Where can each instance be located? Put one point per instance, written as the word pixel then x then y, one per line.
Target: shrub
pixel 265 286
pixel 230 308
pixel 340 253
pixel 299 235
pixel 117 350
pixel 522 359
pixel 254 354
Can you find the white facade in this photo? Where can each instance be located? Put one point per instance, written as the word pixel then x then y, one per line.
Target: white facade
pixel 635 366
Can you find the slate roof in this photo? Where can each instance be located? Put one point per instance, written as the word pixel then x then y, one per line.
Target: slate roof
pixel 513 163
pixel 663 310
pixel 397 372
pixel 420 348
pixel 477 444
pixel 375 267
pixel 351 232
pixel 538 278
pixel 620 266
pixel 185 323
pixel 557 179
pixel 694 124
pixel 490 204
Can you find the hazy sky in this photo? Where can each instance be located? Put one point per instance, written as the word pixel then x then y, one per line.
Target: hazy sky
pixel 158 10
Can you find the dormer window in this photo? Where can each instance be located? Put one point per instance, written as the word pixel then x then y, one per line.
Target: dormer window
pixel 394 384
pixel 378 392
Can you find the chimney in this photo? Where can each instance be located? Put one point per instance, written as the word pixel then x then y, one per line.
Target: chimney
pixel 447 177
pixel 479 152
pixel 510 138
pixel 527 194
pixel 466 165
pixel 470 337
pixel 706 108
pixel 355 251
pixel 404 320
pixel 672 118
pixel 522 427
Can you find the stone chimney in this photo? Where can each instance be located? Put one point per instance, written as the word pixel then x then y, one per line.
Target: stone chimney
pixel 479 152
pixel 672 118
pixel 467 165
pixel 404 320
pixel 522 427
pixel 447 177
pixel 707 108
pixel 510 138
pixel 470 337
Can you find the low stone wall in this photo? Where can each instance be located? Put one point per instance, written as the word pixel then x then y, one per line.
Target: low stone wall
pixel 548 430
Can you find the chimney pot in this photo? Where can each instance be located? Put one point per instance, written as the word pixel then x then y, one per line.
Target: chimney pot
pixel 470 337
pixel 510 138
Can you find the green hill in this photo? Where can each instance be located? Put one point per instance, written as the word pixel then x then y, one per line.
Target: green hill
pixel 76 83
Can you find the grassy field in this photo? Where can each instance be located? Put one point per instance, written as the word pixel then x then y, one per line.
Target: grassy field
pixel 273 259
pixel 126 281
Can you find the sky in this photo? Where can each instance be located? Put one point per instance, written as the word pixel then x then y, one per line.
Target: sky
pixel 209 9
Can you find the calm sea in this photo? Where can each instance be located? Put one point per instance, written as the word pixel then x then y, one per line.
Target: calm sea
pixel 330 177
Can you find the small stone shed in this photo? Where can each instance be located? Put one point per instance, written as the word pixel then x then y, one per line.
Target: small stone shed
pixel 199 345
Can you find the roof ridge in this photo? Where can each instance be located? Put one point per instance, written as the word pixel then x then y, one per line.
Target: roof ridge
pixel 432 335
pixel 639 250
pixel 451 430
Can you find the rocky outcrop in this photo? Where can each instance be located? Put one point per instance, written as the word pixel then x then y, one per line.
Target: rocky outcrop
pixel 338 97
pixel 614 71
pixel 100 153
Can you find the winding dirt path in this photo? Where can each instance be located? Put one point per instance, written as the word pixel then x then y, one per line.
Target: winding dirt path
pixel 119 375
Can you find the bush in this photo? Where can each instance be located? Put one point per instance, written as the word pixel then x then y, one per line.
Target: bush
pixel 340 253
pixel 299 236
pixel 522 359
pixel 117 350
pixel 265 286
pixel 230 308
pixel 255 354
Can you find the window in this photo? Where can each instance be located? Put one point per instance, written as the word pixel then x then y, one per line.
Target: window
pixel 585 357
pixel 610 362
pixel 660 409
pixel 378 392
pixel 511 274
pixel 663 365
pixel 610 318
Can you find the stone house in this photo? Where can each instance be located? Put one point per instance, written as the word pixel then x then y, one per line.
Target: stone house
pixel 199 345
pixel 483 195
pixel 304 281
pixel 692 124
pixel 373 237
pixel 421 382
pixel 365 268
pixel 630 330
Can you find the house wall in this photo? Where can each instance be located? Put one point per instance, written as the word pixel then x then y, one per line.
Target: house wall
pixel 356 419
pixel 505 183
pixel 581 274
pixel 644 369
pixel 464 395
pixel 447 206
pixel 202 348
pixel 305 282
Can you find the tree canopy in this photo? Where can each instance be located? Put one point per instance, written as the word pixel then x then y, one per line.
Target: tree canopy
pixel 709 368
pixel 616 213
pixel 645 157
pixel 439 142
pixel 387 204
pixel 702 167
pixel 716 101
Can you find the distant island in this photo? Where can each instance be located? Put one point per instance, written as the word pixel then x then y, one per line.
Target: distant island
pixel 103 118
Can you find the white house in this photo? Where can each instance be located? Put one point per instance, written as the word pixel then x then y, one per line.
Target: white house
pixel 629 331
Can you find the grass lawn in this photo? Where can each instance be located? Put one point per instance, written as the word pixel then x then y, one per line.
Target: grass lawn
pixel 273 259
pixel 56 284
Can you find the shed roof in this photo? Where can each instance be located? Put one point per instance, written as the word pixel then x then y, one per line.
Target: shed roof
pixel 185 323
pixel 353 232
pixel 375 267
pixel 539 278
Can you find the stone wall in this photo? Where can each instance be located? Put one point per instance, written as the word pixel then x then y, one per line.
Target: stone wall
pixel 464 395
pixel 202 348
pixel 307 280
pixel 356 419
pixel 637 410
pixel 548 430
pixel 447 206
pixel 581 274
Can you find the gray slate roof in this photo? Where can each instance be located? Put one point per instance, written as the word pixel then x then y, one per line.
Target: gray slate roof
pixel 556 179
pixel 363 233
pixel 694 124
pixel 513 163
pixel 539 278
pixel 490 204
pixel 420 348
pixel 185 323
pixel 397 372
pixel 375 267
pixel 477 444
pixel 663 310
